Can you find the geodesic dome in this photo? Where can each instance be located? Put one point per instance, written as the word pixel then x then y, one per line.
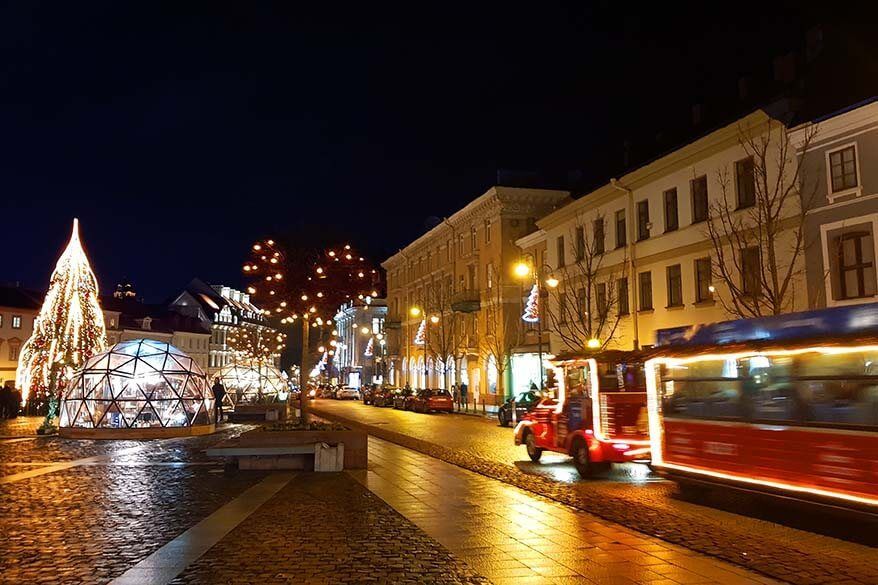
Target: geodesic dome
pixel 138 384
pixel 253 383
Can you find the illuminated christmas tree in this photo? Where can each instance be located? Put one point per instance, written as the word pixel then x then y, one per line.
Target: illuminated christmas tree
pixel 421 335
pixel 370 348
pixel 532 308
pixel 69 329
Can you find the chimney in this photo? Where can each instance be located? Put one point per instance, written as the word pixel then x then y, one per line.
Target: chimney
pixel 697 114
pixel 785 68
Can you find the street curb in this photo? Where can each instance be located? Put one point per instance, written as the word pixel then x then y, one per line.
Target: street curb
pixel 765 556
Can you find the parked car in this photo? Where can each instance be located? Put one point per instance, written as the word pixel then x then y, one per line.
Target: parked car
pixel 432 401
pixel 524 403
pixel 348 393
pixel 384 396
pixel 368 393
pixel 325 391
pixel 401 397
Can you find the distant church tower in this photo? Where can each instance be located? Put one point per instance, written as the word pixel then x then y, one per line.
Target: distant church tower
pixel 125 290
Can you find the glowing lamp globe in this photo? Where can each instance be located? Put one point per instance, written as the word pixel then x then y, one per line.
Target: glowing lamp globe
pixel 138 389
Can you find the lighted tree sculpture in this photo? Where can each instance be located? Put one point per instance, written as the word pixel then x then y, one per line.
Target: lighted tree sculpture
pixel 421 334
pixel 307 287
pixel 532 308
pixel 69 329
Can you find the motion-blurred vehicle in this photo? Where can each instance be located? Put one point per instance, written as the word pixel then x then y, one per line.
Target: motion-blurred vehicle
pixel 432 401
pixel 599 416
pixel 401 398
pixel 784 405
pixel 523 404
pixel 347 393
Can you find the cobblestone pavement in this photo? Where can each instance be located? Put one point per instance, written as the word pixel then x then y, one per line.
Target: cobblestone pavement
pixel 89 523
pixel 327 529
pixel 20 426
pixel 513 536
pixel 775 550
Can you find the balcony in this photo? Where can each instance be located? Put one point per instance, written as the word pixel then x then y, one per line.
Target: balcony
pixel 467 301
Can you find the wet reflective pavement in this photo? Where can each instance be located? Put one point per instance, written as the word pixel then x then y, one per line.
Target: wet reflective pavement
pixel 162 511
pixel 734 527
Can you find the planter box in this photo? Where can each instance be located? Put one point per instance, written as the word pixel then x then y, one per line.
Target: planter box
pixel 262 449
pixel 259 412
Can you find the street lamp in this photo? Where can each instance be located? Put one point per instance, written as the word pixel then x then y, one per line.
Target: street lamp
pixel 523 270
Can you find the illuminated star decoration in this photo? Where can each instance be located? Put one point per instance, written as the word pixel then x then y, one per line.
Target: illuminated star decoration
pixel 69 328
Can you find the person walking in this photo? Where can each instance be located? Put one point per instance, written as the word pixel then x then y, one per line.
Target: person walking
pixel 14 404
pixel 5 401
pixel 455 396
pixel 463 401
pixel 219 393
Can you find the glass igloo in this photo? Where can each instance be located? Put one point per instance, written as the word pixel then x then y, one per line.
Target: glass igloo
pixel 250 383
pixel 137 385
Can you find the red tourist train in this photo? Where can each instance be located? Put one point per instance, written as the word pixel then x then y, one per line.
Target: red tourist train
pixel 784 405
pixel 599 414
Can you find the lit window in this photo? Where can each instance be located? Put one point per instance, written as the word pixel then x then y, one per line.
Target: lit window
pixel 487 231
pixel 16 321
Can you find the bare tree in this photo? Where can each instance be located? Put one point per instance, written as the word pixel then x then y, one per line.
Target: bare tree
pixel 445 336
pixel 586 303
pixel 503 332
pixel 757 225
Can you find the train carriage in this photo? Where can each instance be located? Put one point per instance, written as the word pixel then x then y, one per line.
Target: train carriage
pixel 786 405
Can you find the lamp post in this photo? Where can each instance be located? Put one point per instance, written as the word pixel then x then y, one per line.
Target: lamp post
pixel 523 270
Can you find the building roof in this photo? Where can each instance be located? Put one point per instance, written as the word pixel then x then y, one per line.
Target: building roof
pixel 20 298
pixel 162 320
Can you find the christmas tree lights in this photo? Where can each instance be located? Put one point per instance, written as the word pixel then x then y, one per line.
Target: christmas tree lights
pixel 68 330
pixel 421 334
pixel 532 308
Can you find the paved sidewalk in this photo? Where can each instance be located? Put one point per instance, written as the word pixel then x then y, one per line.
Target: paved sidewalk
pixel 780 551
pixel 512 536
pixel 327 529
pixel 21 426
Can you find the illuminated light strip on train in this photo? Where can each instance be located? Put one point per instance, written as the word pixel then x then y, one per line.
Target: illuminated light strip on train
pixel 656 428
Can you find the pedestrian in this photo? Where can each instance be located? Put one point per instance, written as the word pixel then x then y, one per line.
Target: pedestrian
pixel 239 395
pixel 5 400
pixel 463 401
pixel 455 396
pixel 219 393
pixel 14 404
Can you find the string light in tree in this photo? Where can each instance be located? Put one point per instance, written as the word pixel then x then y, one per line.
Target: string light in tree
pixel 68 330
pixel 421 334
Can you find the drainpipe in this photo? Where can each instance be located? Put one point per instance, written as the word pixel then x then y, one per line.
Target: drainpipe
pixel 632 260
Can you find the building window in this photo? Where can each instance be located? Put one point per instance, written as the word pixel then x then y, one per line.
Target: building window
pixel 473 240
pixel 675 286
pixel 562 307
pixel 621 230
pixel 460 245
pixel 702 280
pixel 14 347
pixel 489 275
pixel 559 242
pixel 645 291
pixel 601 294
pixel 449 247
pixel 699 199
pixel 487 231
pixel 599 237
pixel 16 321
pixel 745 183
pixel 622 293
pixel 1 320
pixel 843 169
pixel 672 219
pixel 580 243
pixel 642 220
pixel 581 308
pixel 750 271
pixel 854 270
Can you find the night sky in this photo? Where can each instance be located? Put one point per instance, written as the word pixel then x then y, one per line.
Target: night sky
pixel 180 132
